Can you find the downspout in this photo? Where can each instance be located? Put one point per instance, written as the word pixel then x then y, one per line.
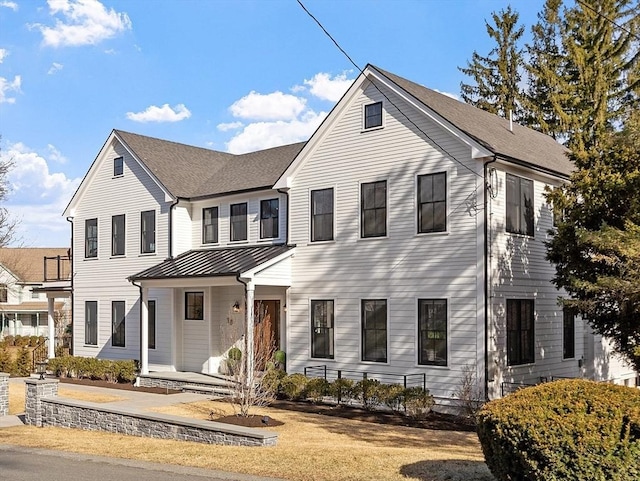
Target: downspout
pixel 248 336
pixel 71 274
pixel 170 236
pixel 139 286
pixel 286 192
pixel 487 284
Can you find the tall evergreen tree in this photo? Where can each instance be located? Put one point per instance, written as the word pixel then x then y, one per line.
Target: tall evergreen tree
pixel 497 76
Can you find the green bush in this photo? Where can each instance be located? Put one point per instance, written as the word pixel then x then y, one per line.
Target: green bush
pixel 271 380
pixel 317 388
pixel 293 386
pixel 123 371
pixel 368 393
pixel 392 396
pixel 280 358
pixel 418 402
pixel 563 430
pixel 343 390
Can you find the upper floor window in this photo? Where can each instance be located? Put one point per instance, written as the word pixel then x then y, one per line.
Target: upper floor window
pixel 432 203
pixel 373 115
pixel 148 231
pixel 194 306
pixel 322 329
pixel 568 333
pixel 374 330
pixel 269 218
pixel 519 205
pixel 3 293
pixel 117 235
pixel 322 215
pixel 373 202
pixel 118 166
pixel 520 332
pixel 118 327
pixel 238 222
pixel 432 332
pixel 91 238
pixel 210 225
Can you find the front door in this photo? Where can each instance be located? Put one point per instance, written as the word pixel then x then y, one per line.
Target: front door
pixel 267 321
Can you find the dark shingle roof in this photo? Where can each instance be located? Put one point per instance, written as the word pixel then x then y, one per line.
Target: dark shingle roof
pixel 229 261
pixel 489 130
pixel 189 172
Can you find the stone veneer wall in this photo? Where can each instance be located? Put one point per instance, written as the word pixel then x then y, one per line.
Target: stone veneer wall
pixel 4 394
pixel 54 411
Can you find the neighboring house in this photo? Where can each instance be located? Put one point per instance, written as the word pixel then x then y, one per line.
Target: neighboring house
pixel 406 237
pixel 24 306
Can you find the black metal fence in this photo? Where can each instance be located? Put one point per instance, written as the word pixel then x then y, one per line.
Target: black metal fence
pixel 330 374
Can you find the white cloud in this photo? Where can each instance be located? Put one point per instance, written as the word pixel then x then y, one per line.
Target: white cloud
pixel 327 88
pixel 38 197
pixel 161 114
pixel 3 54
pixel 55 155
pixel 273 106
pixel 85 22
pixel 453 96
pixel 262 135
pixel 54 68
pixel 12 5
pixel 225 127
pixel 6 87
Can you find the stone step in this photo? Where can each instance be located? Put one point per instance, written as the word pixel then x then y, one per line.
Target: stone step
pixel 218 391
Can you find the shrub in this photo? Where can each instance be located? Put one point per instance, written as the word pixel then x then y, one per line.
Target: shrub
pixel 20 341
pixel 563 430
pixel 35 340
pixel 418 402
pixel 22 366
pixel 368 392
pixel 272 379
pixel 124 371
pixel 343 390
pixel 392 396
pixel 280 358
pixel 293 386
pixel 9 340
pixel 5 360
pixel 317 388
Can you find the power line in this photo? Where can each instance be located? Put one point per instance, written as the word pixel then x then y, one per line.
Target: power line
pixel 599 14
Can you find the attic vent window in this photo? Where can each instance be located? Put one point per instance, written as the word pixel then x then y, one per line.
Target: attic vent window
pixel 373 115
pixel 118 166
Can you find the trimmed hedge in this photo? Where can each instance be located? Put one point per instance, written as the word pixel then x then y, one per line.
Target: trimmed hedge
pixel 562 431
pixel 91 368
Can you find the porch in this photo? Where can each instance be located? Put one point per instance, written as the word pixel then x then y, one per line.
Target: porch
pixel 216 385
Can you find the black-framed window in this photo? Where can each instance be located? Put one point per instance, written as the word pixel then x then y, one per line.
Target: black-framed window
pixel 118 166
pixel 194 306
pixel 432 203
pixel 432 332
pixel 148 231
pixel 118 325
pixel 210 225
pixel 374 330
pixel 91 238
pixel 269 211
pixel 373 207
pixel 373 115
pixel 238 228
pixel 519 205
pixel 4 293
pixel 322 215
pixel 520 332
pixel 568 333
pixel 91 323
pixel 151 324
pixel 117 235
pixel 322 322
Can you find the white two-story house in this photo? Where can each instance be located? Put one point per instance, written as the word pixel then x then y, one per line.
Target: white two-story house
pixel 405 239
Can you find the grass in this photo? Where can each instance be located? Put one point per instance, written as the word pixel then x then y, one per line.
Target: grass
pixel 310 448
pixel 16 397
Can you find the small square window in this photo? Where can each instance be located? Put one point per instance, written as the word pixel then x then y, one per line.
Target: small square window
pixel 118 166
pixel 194 306
pixel 373 115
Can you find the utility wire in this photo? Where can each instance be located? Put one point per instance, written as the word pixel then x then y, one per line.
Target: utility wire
pixel 599 14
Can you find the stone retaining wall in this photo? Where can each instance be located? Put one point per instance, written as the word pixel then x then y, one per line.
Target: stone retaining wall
pixel 54 411
pixel 4 394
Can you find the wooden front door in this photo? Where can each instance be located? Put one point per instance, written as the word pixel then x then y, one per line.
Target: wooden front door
pixel 268 312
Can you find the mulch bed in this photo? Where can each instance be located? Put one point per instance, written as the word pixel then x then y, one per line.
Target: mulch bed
pixel 250 421
pixel 118 385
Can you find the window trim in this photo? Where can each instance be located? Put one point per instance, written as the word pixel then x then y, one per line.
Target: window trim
pixel 121 166
pixel 447 332
pixel 361 235
pixel 142 232
pixel 521 361
pixel 216 231
pixel 520 231
pixel 124 236
pixel 332 356
pixel 155 323
pixel 186 306
pixel 97 333
pixel 362 343
pixel 277 219
pixel 333 220
pixel 418 203
pixel 123 324
pixel 364 116
pixel 87 252
pixel 246 222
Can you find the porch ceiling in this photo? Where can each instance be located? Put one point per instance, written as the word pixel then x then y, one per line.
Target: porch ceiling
pixel 224 262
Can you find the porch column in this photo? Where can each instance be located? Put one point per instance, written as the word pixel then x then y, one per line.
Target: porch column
pixel 250 291
pixel 144 331
pixel 52 329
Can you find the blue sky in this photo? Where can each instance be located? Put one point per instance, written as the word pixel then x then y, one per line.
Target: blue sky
pixel 228 75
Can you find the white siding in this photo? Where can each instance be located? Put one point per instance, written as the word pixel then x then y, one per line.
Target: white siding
pixel 402 267
pixel 181 228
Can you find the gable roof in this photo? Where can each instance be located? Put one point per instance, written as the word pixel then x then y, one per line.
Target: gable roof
pixel 522 145
pixel 191 172
pixel 27 263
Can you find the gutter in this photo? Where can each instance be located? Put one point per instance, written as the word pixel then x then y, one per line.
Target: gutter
pixel 139 286
pixel 71 274
pixel 487 284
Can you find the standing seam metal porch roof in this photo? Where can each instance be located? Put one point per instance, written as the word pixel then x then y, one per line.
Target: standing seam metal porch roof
pixel 230 261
